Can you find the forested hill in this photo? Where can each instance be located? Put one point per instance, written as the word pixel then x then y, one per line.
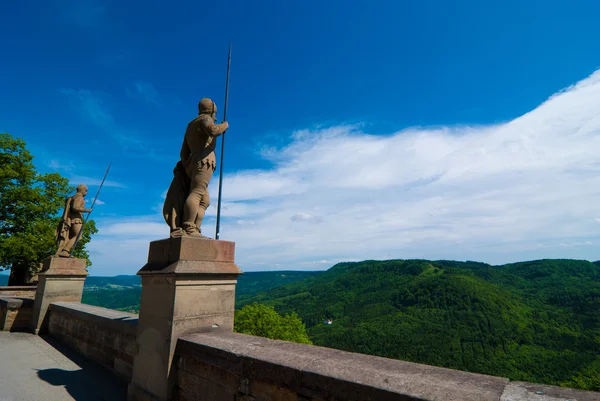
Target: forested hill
pixel 537 321
pixel 123 292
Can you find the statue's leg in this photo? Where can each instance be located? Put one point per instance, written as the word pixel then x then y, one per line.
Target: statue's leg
pixel 204 204
pixel 63 237
pixel 75 229
pixel 60 247
pixel 192 208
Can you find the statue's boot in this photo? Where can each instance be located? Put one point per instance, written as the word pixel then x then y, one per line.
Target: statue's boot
pixel 64 254
pixel 178 232
pixel 193 230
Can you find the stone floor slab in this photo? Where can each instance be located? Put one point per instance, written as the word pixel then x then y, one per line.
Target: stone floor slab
pixel 34 368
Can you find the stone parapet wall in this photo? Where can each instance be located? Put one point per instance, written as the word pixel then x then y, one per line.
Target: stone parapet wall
pixel 15 313
pixel 220 365
pixel 27 291
pixel 105 336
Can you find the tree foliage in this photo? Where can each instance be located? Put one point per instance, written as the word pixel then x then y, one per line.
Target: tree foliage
pixel 30 208
pixel 263 321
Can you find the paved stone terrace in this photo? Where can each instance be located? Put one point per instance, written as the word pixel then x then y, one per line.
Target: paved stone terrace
pixel 34 368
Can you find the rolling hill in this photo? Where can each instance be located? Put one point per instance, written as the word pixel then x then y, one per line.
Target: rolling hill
pixel 536 321
pixel 123 292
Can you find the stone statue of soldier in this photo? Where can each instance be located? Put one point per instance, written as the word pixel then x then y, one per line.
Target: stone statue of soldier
pixel 188 198
pixel 72 220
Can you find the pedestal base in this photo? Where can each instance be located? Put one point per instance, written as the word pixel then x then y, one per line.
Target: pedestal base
pixel 61 279
pixel 188 284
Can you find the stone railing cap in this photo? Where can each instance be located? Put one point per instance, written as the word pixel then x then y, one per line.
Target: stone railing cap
pixel 117 320
pixel 16 302
pixel 18 288
pixel 347 375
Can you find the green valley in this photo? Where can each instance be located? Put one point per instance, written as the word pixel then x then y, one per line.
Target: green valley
pixel 536 321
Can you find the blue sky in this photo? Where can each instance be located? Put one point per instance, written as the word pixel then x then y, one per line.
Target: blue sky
pixel 458 130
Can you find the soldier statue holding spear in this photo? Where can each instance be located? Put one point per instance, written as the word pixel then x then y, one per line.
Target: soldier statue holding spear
pixel 188 198
pixel 70 227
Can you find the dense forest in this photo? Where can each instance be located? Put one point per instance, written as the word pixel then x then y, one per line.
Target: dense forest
pixel 535 321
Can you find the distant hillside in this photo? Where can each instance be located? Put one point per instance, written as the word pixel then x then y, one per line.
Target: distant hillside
pixel 116 281
pixel 123 292
pixel 536 321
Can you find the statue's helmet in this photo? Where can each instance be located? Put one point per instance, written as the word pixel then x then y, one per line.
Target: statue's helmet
pixel 82 188
pixel 207 106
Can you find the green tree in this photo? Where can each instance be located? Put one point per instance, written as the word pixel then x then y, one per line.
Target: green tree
pixel 30 208
pixel 263 321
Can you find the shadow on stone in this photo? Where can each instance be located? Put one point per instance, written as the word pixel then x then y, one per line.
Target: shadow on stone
pixel 74 382
pixel 91 382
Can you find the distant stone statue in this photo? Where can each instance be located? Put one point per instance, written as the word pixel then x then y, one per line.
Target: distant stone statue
pixel 188 198
pixel 72 220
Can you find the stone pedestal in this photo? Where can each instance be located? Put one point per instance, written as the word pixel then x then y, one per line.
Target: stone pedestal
pixel 188 285
pixel 61 279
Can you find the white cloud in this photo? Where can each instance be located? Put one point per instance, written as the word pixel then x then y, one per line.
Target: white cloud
pixel 145 91
pixel 59 165
pixel 576 244
pixel 306 217
pixel 525 189
pixel 94 182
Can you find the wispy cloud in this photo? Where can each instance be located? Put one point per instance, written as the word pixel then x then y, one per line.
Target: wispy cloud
pixel 59 165
pixel 94 182
pixel 93 108
pixel 90 106
pixel 525 189
pixel 144 91
pixel 307 217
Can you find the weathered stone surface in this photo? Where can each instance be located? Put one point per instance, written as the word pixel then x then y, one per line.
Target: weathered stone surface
pixel 71 267
pixel 103 335
pixel 18 291
pixel 267 391
pixel 61 279
pixel 15 313
pixel 215 374
pixel 187 286
pixel 327 374
pixel 520 391
pixel 15 303
pixel 192 256
pixel 120 322
pixel 203 388
pixel 276 370
pixel 33 368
